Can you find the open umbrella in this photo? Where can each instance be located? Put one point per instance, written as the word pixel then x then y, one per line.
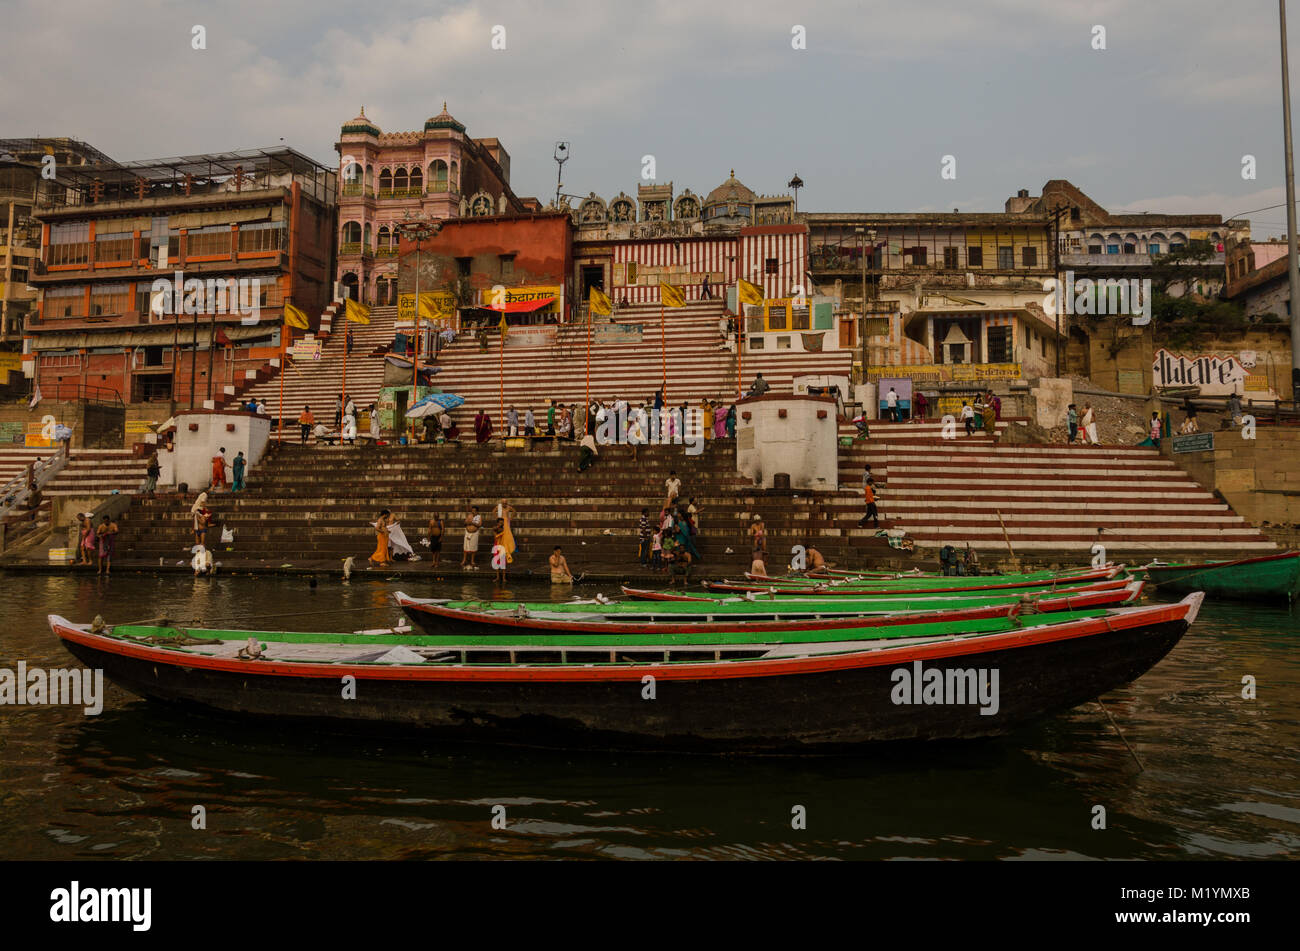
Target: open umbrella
pixel 433 403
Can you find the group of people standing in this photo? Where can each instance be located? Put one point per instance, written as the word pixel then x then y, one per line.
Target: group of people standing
pixel 96 541
pixel 1082 426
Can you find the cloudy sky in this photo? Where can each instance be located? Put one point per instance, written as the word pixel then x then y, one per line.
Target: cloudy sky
pixel 1013 89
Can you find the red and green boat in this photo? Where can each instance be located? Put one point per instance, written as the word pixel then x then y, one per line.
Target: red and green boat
pixel 780 693
pixel 1269 577
pixel 739 616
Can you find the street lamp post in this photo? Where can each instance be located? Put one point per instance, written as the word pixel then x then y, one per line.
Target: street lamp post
pixel 417 230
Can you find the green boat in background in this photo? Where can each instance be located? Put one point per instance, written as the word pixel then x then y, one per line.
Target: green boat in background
pixel 1270 577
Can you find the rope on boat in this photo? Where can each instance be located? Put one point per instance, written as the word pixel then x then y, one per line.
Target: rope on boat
pixel 1132 752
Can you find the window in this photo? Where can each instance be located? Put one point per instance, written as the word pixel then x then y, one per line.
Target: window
pixel 1094 249
pixel 113 246
pixel 261 236
pixel 1112 249
pixel 631 272
pixel 783 343
pixel 1029 257
pixel 507 265
pixel 70 243
pixel 110 299
pixel 212 240
pixel 800 318
pixel 65 302
pixel 1175 247
pixel 1074 214
pixel 776 316
pixel 950 258
pixel 1006 259
pixel 1130 248
pixel 770 266
pixel 974 257
pixel 463 266
pixel 918 255
pixel 999 345
pixel 756 343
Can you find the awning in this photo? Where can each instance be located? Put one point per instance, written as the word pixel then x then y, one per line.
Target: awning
pixel 155 336
pixel 523 306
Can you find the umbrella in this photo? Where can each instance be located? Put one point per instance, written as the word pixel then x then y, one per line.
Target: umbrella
pixel 433 403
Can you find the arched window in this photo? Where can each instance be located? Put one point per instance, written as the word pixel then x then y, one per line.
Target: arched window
pixel 417 179
pixel 385 236
pixel 437 176
pixel 1113 243
pixel 399 180
pixel 352 173
pixel 350 283
pixel 1130 243
pixel 454 182
pixel 366 243
pixel 385 182
pixel 370 176
pixel 351 233
pixel 1157 243
pixel 1177 241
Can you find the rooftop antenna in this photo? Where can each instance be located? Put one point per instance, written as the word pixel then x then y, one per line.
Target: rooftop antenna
pixel 561 156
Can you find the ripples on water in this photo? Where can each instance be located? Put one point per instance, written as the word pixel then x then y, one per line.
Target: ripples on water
pixel 1220 777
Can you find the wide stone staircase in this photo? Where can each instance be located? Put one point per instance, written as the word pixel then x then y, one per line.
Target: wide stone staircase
pixel 698 366
pixel 317 383
pixel 1042 498
pixel 312 507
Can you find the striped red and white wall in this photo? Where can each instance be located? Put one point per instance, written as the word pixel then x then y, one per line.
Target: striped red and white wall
pixel 788 246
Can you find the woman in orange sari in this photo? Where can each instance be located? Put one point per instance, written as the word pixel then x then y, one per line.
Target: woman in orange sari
pixel 380 558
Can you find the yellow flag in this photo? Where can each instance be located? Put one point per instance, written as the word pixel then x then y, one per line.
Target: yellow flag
pixel 671 296
pixel 295 317
pixel 601 305
pixel 749 293
pixel 355 312
pixel 502 326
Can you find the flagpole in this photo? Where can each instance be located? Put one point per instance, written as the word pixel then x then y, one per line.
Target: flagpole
pixel 284 334
pixel 345 362
pixel 740 360
pixel 663 349
pixel 501 365
pixel 590 317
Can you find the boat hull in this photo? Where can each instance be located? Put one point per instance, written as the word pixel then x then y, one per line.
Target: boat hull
pixel 817 703
pixel 1272 577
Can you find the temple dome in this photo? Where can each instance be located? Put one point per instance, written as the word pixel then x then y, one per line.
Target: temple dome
pixel 444 120
pixel 730 190
pixel 361 124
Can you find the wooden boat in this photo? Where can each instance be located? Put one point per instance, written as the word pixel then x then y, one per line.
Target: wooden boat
pixel 747 618
pixel 770 696
pixel 1270 577
pixel 864 589
pixel 772 593
pixel 837 576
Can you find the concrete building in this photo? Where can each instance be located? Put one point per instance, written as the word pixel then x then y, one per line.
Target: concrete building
pixel 938 297
pixel 29 170
pixel 228 237
pixel 437 172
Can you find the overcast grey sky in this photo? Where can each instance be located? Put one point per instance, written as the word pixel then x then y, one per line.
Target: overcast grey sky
pixel 1157 121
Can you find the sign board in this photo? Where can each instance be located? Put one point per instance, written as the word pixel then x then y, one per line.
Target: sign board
pixel 442 303
pixel 1194 442
pixel 930 373
pixel 541 335
pixel 305 350
pixel 1214 374
pixel 986 371
pixel 520 295
pixel 617 333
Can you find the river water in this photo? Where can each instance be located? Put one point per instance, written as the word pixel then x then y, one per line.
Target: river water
pixel 1221 776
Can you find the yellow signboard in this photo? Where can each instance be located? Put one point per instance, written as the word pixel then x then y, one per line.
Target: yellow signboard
pixel 523 295
pixel 986 371
pixel 441 303
pixel 931 373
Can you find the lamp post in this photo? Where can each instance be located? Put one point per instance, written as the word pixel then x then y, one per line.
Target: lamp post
pixel 794 185
pixel 417 230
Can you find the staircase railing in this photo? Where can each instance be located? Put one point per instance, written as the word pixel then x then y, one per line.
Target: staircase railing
pixel 16 491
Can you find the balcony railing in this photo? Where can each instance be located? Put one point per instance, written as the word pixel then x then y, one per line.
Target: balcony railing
pixel 401 192
pixel 386 250
pixel 1129 260
pixel 356 189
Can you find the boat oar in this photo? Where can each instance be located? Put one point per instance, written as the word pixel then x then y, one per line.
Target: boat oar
pixel 1132 752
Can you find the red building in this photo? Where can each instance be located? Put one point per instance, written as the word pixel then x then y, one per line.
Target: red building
pixel 165 280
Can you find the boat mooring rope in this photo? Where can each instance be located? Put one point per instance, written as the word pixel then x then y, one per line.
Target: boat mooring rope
pixel 1132 753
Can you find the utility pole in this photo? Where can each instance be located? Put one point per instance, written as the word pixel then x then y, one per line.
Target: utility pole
pixel 561 156
pixel 1293 274
pixel 1056 215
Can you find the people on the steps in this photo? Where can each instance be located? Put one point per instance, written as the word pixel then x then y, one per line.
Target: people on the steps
pixel 968 417
pixel 107 535
pixel 1089 421
pixel 560 573
pixel 87 542
pixel 436 529
pixel 305 422
pixel 482 427
pixel 1072 422
pixel 759 386
pixel 237 470
pixel 380 557
pixel 473 522
pixel 587 452
pixel 152 471
pixel 219 467
pixel 201 518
